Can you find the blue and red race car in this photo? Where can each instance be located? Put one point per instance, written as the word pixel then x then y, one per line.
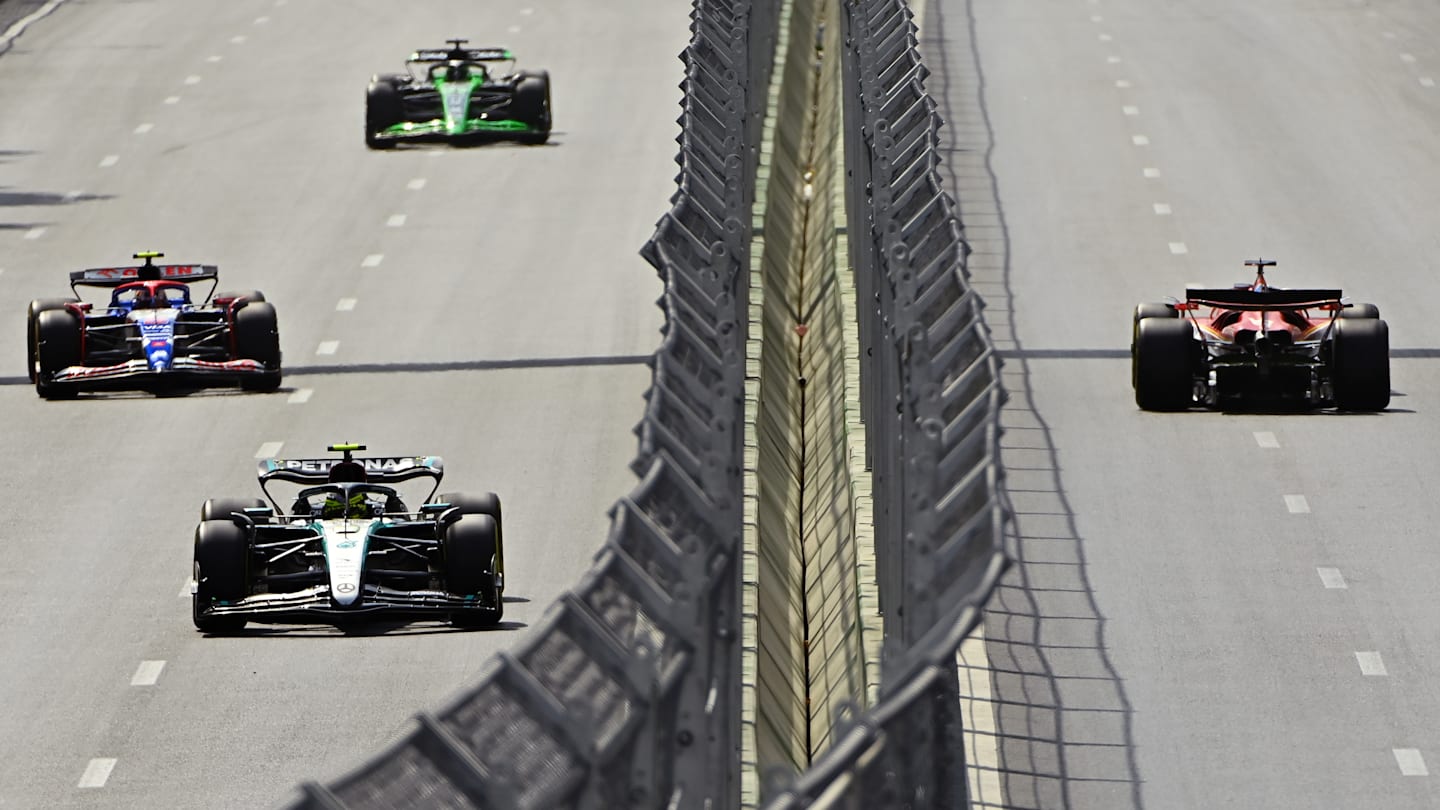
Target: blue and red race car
pixel 152 334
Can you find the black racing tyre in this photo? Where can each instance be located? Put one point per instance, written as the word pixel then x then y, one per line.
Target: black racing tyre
pixel 486 504
pixel 251 296
pixel 1360 312
pixel 1361 359
pixel 1143 311
pixel 38 306
pixel 222 558
pixel 221 508
pixel 383 109
pixel 471 547
pixel 531 105
pixel 57 346
pixel 1164 380
pixel 257 337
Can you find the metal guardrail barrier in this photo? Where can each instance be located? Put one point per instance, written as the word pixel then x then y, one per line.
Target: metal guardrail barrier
pixel 626 693
pixel 931 398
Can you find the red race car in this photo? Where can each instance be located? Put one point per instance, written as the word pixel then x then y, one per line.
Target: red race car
pixel 1254 344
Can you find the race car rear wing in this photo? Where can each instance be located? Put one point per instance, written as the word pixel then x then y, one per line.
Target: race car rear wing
pixel 115 276
pixel 1263 300
pixel 470 55
pixel 386 470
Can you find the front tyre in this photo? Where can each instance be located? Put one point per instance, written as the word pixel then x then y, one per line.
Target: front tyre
pixel 222 557
pixel 471 547
pixel 383 110
pixel 57 347
pixel 257 337
pixel 531 106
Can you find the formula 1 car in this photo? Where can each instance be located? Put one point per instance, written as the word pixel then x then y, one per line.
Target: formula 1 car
pixel 152 334
pixel 348 547
pixel 451 95
pixel 1304 348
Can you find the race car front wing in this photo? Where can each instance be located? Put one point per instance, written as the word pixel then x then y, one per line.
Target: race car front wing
pixel 315 604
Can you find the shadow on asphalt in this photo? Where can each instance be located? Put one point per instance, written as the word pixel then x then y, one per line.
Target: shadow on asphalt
pixel 1063 723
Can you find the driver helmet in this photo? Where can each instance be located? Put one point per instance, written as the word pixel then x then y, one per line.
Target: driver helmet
pixel 355 506
pixel 456 71
pixel 143 299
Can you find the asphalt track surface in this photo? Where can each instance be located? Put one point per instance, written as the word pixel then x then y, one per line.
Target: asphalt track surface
pixel 1212 609
pixel 503 326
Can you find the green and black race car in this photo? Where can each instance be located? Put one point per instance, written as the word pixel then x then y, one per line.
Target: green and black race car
pixel 453 94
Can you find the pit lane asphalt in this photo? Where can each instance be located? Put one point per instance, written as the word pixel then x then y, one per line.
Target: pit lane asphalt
pixel 1177 635
pixel 502 327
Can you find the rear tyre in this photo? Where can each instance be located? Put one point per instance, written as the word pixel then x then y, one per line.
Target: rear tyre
pixel 257 337
pixel 1360 312
pixel 472 546
pixel 1161 363
pixel 532 106
pixel 383 109
pixel 1361 358
pixel 57 346
pixel 221 508
pixel 1143 311
pixel 38 306
pixel 222 556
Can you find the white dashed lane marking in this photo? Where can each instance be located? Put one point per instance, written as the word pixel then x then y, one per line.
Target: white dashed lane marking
pixel 1178 248
pixel 1140 140
pixel 192 79
pixel 1426 81
pixel 1096 18
pixel 1371 664
pixel 72 195
pixel 1113 60
pixel 148 673
pixel 1331 579
pixel 144 128
pixel 1266 439
pixel 172 99
pixel 213 58
pixel 301 396
pixel 1297 504
pixel 1407 58
pixel 269 450
pixel 1161 209
pixel 373 260
pixel 1129 110
pixel 396 221
pixel 108 161
pixel 416 184
pixel 1105 37
pixel 34 233
pixel 1150 173
pixel 97 773
pixel 1122 83
pixel 327 347
pixel 261 20
pixel 345 305
pixel 237 40
pixel 1410 762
